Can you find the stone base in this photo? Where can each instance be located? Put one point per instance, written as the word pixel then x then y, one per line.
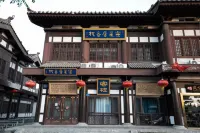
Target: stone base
pixel 179 127
pixel 82 124
pixel 127 124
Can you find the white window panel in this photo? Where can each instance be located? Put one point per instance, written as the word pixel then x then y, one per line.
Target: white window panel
pixel 177 32
pixel 127 39
pixel 50 39
pixel 144 39
pixel 42 104
pixel 41 118
pixel 13 65
pixel 21 69
pixel 67 39
pixel 10 47
pixel 10 64
pixel 57 39
pixel 77 39
pixel 189 32
pixel 4 43
pixel 153 39
pixel 4 35
pixel 161 38
pixel 18 68
pixel 133 39
pixel 197 32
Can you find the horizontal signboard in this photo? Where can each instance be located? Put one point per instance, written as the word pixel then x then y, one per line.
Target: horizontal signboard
pixel 60 72
pixel 104 34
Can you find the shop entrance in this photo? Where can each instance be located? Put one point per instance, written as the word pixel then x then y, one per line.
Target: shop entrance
pixel 191 109
pixel 62 110
pixel 103 110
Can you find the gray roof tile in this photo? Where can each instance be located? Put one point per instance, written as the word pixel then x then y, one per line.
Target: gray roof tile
pixel 61 64
pixel 143 64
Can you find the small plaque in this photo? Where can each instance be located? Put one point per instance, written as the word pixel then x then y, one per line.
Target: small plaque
pixel 62 88
pixel 103 86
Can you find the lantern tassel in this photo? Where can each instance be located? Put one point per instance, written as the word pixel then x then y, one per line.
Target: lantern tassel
pixel 126 89
pixel 162 89
pixel 79 87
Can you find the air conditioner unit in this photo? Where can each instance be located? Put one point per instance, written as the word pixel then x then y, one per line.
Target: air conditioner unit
pixel 93 65
pixel 193 62
pixel 84 65
pixel 113 66
pixel 120 65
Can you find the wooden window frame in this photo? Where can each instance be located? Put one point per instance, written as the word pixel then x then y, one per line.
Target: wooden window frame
pixel 181 38
pixel 103 47
pixel 153 52
pixel 2 66
pixel 75 58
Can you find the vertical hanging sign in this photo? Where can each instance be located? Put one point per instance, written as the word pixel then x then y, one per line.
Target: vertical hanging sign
pixel 103 86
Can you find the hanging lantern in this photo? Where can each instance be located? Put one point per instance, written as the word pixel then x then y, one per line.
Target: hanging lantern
pixel 80 84
pixel 14 91
pixel 127 84
pixel 163 83
pixel 30 84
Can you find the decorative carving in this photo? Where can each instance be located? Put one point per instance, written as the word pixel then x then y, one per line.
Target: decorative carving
pixel 148 89
pixel 62 88
pixel 8 20
pixel 192 68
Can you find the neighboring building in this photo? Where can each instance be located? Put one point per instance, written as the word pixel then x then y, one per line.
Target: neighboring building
pixel 94 45
pixel 16 100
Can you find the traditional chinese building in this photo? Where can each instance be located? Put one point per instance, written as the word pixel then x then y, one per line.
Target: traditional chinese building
pixel 103 68
pixel 16 100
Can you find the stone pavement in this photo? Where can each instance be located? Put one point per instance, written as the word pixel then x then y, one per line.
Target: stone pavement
pixel 36 128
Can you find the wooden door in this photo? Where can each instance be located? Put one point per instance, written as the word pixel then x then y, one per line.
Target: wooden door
pixel 62 110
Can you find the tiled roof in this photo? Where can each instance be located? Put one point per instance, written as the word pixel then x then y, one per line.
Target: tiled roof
pixel 61 64
pixel 143 64
pixel 89 13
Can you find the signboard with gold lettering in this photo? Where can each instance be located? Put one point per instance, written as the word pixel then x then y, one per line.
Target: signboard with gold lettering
pixel 148 89
pixel 193 88
pixel 62 89
pixel 103 86
pixel 104 34
pixel 60 72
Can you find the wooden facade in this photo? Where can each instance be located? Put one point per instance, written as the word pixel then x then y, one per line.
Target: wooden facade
pixel 155 40
pixel 16 100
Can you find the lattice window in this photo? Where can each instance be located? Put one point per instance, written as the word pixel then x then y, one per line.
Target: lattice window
pixel 145 52
pixel 187 46
pixel 104 51
pixel 63 51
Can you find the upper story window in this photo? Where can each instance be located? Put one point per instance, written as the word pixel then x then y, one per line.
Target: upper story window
pixel 187 42
pixel 66 48
pixel 104 51
pixel 144 48
pixel 2 66
pixel 10 47
pixel 3 43
pixel 11 76
pixel 19 74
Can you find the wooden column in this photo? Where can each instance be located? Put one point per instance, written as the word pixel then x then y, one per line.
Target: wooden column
pixel 167 46
pixel 126 106
pixel 17 107
pixel 9 106
pixel 85 51
pixel 47 52
pixel 37 113
pixel 177 105
pixel 124 52
pixel 82 105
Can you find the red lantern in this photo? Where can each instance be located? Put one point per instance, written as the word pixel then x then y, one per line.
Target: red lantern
pixel 30 84
pixel 14 91
pixel 80 84
pixel 163 83
pixel 127 84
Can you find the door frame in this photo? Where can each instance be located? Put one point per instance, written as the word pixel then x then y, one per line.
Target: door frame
pixel 51 109
pixel 94 95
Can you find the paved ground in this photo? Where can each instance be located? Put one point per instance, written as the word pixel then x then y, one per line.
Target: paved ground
pixel 36 128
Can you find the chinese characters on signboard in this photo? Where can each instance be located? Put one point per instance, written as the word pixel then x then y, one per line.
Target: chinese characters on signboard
pixel 103 86
pixel 60 72
pixel 193 88
pixel 104 34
